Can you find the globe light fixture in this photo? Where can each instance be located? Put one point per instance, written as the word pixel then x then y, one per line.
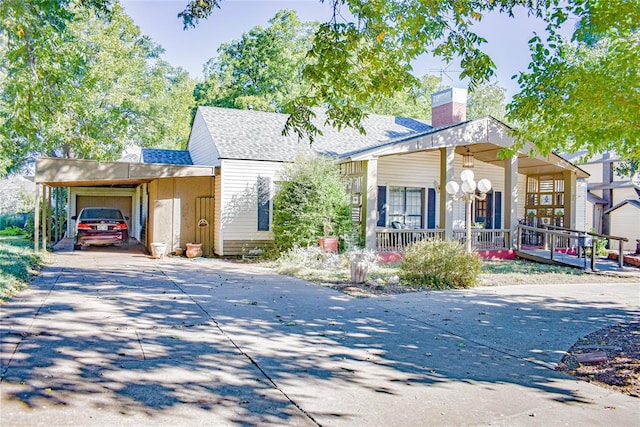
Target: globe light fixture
pixel 467 192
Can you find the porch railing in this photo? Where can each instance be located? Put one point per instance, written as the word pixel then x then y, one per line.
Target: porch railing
pixel 394 240
pixel 485 239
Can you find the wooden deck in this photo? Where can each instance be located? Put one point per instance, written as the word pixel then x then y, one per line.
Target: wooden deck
pixel 558 246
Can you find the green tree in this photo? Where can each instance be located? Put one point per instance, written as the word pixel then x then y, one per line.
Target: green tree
pixel 487 99
pixel 312 201
pixel 82 82
pixel 355 61
pixel 584 94
pixel 262 69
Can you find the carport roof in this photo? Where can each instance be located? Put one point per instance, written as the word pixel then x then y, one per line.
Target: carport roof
pixel 57 172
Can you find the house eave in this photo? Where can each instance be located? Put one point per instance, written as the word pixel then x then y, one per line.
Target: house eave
pixel 483 137
pixel 56 172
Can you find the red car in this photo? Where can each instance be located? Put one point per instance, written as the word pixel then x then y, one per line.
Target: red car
pixel 100 226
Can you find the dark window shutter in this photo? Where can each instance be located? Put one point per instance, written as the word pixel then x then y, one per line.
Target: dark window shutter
pixel 264 203
pixel 382 206
pixel 489 221
pixel 498 210
pixel 431 208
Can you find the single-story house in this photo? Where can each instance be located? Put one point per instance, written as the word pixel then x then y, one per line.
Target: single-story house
pixel 219 190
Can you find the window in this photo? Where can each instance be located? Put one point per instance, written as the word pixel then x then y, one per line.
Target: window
pixel 488 212
pixel 545 200
pixel 481 211
pixel 406 205
pixel 264 203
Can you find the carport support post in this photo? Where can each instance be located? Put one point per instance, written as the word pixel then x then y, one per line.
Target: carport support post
pixel 44 217
pixel 36 219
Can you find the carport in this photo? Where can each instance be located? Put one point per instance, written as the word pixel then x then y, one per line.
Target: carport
pixel 153 196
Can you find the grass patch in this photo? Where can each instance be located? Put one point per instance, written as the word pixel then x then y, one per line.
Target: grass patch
pixel 18 264
pixel 526 267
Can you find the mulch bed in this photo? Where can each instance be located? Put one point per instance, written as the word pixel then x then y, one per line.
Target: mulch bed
pixel 609 357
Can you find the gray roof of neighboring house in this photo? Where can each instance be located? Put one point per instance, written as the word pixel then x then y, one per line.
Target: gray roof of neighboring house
pixel 257 135
pixel 166 157
pixel 632 202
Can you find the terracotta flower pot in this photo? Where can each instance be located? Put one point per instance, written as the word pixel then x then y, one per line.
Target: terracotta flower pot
pixel 328 244
pixel 194 250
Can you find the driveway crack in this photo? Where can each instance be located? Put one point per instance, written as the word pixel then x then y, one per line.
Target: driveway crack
pixel 242 352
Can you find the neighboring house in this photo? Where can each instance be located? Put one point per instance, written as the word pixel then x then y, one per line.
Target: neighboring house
pixel 612 199
pixel 219 190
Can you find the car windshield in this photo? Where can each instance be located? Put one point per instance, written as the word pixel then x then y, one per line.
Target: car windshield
pixel 101 213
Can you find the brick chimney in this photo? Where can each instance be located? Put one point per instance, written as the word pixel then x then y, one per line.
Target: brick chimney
pixel 448 106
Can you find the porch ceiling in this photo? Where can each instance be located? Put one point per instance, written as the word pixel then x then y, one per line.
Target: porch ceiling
pixel 56 172
pixel 488 153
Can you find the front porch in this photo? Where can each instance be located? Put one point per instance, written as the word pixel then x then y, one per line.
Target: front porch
pixel 398 190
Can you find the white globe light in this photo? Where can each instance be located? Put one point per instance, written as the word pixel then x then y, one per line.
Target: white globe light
pixel 452 187
pixel 484 185
pixel 469 186
pixel 467 175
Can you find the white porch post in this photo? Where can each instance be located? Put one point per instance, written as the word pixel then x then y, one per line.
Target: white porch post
pixel 447 157
pixel 145 215
pixel 511 201
pixel 371 202
pixel 570 200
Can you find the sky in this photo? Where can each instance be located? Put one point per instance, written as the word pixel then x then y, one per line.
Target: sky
pixel 190 49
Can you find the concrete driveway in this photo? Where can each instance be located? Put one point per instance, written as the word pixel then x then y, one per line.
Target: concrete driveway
pixel 108 337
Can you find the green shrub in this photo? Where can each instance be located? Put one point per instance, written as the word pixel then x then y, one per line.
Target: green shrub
pixel 12 231
pixel 311 202
pixel 439 264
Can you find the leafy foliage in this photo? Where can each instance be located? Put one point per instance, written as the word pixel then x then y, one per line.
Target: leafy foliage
pixel 580 96
pixel 312 200
pixel 262 70
pixel 12 231
pixel 18 262
pixel 82 82
pixel 440 264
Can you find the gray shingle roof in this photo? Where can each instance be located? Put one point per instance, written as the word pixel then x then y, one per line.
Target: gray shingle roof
pixel 166 157
pixel 257 135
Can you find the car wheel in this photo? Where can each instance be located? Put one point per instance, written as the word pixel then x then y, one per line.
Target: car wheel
pixel 76 247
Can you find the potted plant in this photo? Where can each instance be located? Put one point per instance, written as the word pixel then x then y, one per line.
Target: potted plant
pixel 194 250
pixel 327 242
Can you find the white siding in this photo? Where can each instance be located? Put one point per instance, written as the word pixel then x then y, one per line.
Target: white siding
pixel 422 169
pixel 582 218
pixel 239 216
pixel 622 194
pixel 625 222
pixel 201 146
pixel 595 170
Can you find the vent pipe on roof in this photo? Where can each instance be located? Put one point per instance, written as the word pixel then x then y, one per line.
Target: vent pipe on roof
pixel 448 107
